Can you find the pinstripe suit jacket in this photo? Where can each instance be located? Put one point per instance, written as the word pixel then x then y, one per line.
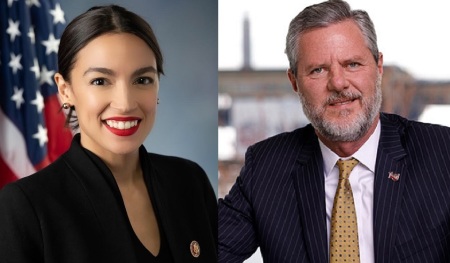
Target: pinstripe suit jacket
pixel 278 201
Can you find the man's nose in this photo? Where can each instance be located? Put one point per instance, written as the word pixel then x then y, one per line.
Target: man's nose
pixel 337 80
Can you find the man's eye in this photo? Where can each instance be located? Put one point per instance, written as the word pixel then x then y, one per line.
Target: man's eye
pixel 317 71
pixel 353 65
pixel 143 80
pixel 98 82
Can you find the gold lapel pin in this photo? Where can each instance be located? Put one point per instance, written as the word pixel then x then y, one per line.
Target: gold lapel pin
pixel 195 249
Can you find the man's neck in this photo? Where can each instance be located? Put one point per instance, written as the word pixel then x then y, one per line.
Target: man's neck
pixel 346 149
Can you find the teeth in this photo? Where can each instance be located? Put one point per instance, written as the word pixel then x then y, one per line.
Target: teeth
pixel 121 125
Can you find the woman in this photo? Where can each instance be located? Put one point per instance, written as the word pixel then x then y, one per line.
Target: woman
pixel 106 199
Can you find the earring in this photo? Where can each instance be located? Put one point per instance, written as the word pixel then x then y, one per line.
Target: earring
pixel 66 105
pixel 157 102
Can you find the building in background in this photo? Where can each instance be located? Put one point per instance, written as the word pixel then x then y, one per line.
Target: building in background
pixel 256 104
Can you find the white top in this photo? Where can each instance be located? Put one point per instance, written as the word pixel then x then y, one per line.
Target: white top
pixel 362 182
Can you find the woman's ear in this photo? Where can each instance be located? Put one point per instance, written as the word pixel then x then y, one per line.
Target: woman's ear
pixel 64 89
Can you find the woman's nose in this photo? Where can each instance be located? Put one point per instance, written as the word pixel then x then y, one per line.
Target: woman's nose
pixel 123 99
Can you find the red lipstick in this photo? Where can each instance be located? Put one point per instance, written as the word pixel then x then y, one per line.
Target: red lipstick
pixel 122 126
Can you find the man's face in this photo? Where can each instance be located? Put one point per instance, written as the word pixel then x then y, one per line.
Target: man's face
pixel 338 81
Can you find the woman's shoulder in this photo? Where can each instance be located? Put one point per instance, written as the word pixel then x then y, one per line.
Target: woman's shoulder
pixel 177 169
pixel 41 177
pixel 173 163
pixel 49 181
pixel 34 189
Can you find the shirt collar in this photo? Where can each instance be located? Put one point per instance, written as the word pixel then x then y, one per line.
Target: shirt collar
pixel 366 155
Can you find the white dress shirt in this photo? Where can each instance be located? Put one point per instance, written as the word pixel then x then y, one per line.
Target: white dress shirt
pixel 362 182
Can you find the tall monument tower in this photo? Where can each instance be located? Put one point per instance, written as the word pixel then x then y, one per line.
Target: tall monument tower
pixel 246 45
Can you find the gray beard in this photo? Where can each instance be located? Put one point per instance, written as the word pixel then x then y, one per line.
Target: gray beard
pixel 349 131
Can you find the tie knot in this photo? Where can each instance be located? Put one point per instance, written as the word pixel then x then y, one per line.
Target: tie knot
pixel 346 167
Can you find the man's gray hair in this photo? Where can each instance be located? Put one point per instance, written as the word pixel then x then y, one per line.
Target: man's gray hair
pixel 323 15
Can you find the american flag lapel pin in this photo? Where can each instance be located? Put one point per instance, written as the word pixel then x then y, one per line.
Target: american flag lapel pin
pixel 394 176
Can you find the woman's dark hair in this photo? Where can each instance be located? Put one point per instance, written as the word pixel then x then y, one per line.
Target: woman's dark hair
pixel 93 23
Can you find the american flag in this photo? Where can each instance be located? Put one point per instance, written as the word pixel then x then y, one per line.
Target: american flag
pixel 32 132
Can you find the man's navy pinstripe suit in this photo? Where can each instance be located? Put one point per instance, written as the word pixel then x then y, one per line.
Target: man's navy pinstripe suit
pixel 278 201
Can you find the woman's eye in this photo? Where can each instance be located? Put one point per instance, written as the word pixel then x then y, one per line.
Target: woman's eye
pixel 143 80
pixel 98 82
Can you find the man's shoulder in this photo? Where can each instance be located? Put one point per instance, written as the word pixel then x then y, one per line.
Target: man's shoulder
pixel 286 140
pixel 415 135
pixel 408 126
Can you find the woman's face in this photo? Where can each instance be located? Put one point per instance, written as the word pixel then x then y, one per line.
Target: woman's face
pixel 114 88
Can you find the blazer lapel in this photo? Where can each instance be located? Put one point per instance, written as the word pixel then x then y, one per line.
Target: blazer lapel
pixel 113 224
pixel 390 179
pixel 309 183
pixel 179 218
pixel 161 201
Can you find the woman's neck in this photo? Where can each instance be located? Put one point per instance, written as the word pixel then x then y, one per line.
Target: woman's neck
pixel 125 168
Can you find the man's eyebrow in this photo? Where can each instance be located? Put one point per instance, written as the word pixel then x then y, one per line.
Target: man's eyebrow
pixel 105 71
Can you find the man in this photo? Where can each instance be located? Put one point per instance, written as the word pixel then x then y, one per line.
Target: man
pixel 397 198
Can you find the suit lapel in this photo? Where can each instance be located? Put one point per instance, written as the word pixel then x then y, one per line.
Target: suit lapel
pixel 309 183
pixel 388 191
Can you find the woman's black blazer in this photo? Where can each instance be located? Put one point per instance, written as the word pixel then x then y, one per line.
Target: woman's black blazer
pixel 70 212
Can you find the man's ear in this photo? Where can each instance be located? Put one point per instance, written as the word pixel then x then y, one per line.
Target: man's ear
pixel 292 79
pixel 64 89
pixel 380 63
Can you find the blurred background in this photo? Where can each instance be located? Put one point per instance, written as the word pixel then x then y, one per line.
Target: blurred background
pixel 255 97
pixel 186 122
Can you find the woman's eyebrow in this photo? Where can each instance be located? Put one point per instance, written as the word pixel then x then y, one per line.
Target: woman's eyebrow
pixel 143 70
pixel 111 72
pixel 105 71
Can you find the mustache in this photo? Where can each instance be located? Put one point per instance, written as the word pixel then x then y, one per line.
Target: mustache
pixel 342 96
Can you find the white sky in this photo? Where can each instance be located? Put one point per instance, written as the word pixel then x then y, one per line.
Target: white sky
pixel 413 35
